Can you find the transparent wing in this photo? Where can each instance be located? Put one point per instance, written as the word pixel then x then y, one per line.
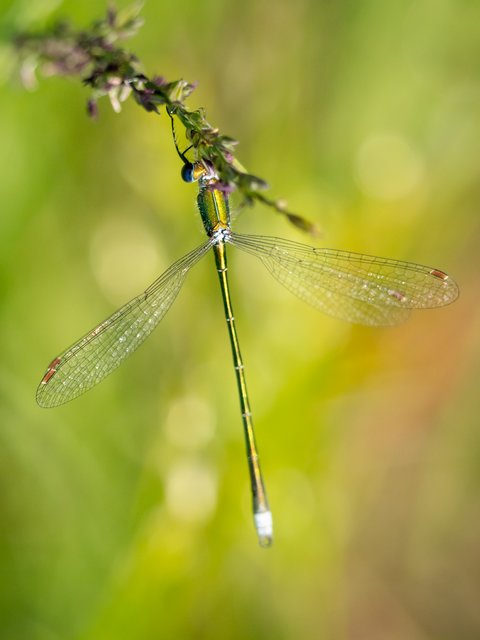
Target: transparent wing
pixel 100 351
pixel 351 286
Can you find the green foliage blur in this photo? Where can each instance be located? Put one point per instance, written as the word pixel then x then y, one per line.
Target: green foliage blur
pixel 126 514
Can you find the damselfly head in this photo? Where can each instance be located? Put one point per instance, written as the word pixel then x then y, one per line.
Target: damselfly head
pixel 188 172
pixel 192 171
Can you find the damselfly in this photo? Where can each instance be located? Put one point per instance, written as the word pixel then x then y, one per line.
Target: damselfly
pixel 354 287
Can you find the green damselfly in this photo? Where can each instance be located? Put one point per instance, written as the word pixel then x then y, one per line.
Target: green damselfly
pixel 354 287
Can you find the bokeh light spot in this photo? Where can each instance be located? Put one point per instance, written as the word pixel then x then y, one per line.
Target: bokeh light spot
pixel 123 256
pixel 191 492
pixel 190 422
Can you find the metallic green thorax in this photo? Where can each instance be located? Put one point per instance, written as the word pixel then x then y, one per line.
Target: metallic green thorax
pixel 214 209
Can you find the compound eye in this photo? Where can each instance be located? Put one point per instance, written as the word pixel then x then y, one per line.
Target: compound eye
pixel 188 172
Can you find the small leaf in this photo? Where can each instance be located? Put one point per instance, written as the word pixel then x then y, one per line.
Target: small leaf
pixel 126 17
pixel 303 224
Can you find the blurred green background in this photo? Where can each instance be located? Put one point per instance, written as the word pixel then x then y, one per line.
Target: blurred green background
pixel 126 514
